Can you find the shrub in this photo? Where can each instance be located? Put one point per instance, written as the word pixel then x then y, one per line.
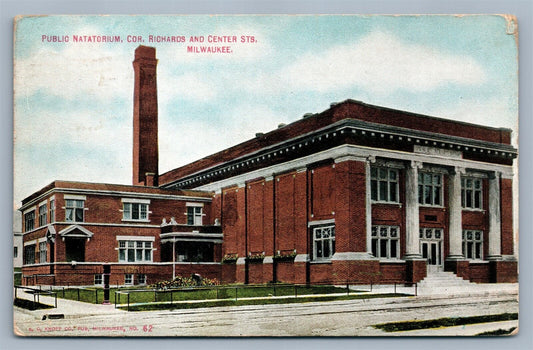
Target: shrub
pixel 181 281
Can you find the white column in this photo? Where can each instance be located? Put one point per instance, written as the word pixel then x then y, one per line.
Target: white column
pixel 173 258
pixel 456 220
pixel 494 217
pixel 369 160
pixel 412 220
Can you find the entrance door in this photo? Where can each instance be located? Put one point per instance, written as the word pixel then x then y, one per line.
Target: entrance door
pixel 431 248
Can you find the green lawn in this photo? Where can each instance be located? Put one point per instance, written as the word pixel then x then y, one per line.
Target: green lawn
pixel 444 322
pixel 146 295
pixel 262 301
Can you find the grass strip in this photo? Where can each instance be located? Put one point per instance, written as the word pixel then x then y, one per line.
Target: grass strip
pixel 497 332
pixel 444 322
pixel 30 305
pixel 261 301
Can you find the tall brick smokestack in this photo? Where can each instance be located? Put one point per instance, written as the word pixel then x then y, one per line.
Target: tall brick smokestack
pixel 145 144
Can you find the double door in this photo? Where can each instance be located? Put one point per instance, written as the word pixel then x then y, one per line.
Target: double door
pixel 431 248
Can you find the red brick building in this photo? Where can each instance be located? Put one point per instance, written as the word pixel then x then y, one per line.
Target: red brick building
pixel 354 193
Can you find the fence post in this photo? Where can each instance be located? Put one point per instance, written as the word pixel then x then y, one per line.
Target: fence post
pixel 275 289
pixel 16 292
pixel 235 293
pixel 416 289
pixel 128 302
pixel 63 292
pixel 115 299
pixel 155 295
pixel 347 289
pixel 96 296
pixel 370 286
pixel 171 292
pixel 55 295
pixel 78 294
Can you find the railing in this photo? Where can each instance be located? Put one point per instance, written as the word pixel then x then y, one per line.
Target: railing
pixel 36 292
pixel 245 291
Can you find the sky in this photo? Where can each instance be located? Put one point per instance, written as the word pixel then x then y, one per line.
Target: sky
pixel 73 101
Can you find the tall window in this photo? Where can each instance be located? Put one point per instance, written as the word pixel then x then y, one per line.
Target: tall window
pixel 74 210
pixel 29 221
pixel 42 252
pixel 52 210
pixel 473 244
pixel 429 189
pixel 135 211
pixel 384 185
pixel 42 214
pixel 134 251
pixel 128 278
pixel 471 193
pixel 323 242
pixel 386 242
pixel 29 254
pixel 194 216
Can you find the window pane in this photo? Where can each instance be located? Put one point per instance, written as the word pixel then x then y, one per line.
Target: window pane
pixel 69 214
pixel 478 250
pixel 383 231
pixel 382 190
pixel 122 255
pixel 393 248
pixel 469 198
pixel 469 249
pixel 383 248
pixel 382 173
pixel 469 183
pixel 477 184
pixel 392 174
pixel 127 211
pixel 392 191
pixel 319 249
pixel 131 244
pixel 144 212
pixel 131 255
pixel 375 247
pixel 79 215
pixel 436 195
pixel 139 255
pixel 420 194
pixel 427 195
pixel 148 255
pixel 373 173
pixel 374 231
pixel 477 199
pixel 135 211
pixel 79 204
pixel 436 179
pixel 327 252
pixel 374 190
pixel 427 178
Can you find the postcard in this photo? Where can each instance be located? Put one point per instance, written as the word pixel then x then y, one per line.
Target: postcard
pixel 268 175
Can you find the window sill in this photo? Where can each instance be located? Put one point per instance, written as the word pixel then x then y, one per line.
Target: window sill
pixel 430 206
pixel 473 261
pixel 328 261
pixel 391 261
pixel 474 210
pixel 133 220
pixel 387 203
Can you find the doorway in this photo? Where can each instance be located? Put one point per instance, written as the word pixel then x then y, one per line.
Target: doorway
pixel 431 248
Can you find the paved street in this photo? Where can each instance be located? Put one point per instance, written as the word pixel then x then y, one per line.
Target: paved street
pixel 337 318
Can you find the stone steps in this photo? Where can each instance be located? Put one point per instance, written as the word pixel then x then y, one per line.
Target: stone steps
pixel 443 279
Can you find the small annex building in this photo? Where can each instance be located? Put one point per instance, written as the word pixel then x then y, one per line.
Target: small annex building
pixel 356 193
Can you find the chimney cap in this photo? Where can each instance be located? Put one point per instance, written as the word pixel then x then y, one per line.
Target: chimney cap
pixel 144 52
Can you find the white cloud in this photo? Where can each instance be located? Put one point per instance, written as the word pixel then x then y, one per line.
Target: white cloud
pixel 187 142
pixel 379 63
pixel 188 86
pixel 80 68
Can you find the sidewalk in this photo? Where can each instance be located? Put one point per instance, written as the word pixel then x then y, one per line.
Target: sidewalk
pixel 69 308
